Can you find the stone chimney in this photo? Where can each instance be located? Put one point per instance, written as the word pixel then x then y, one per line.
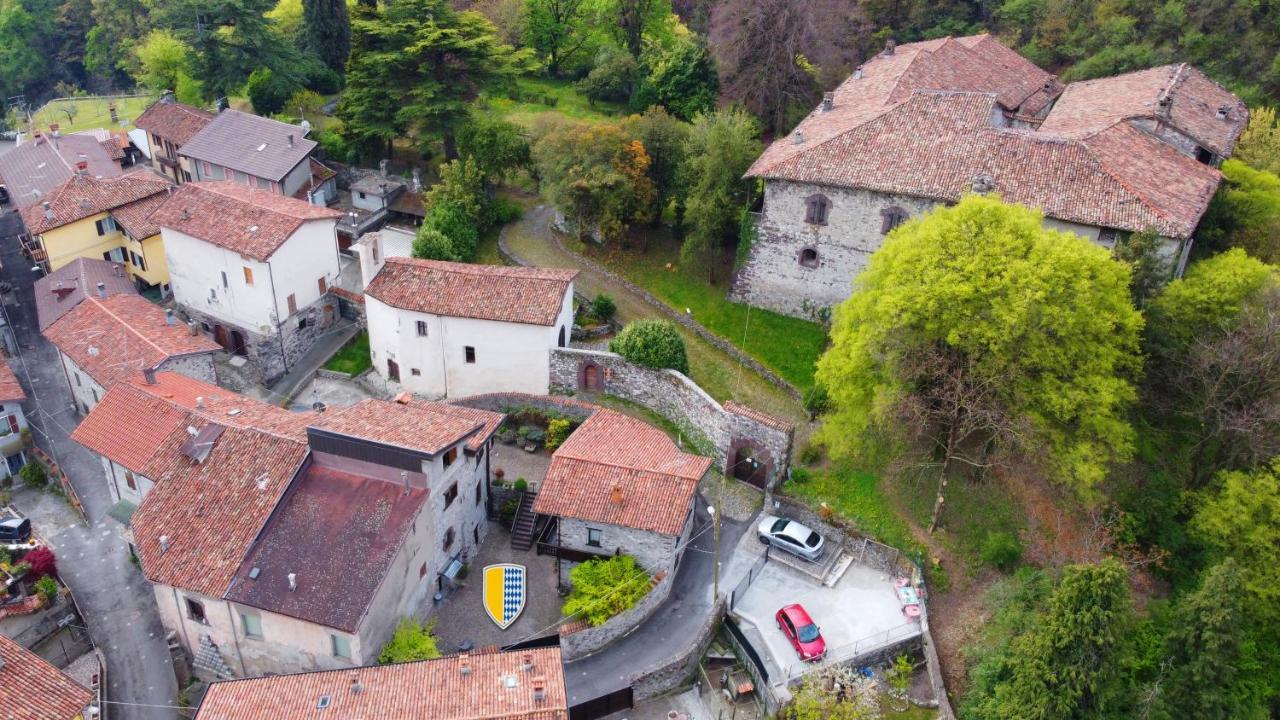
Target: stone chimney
pixel 539 689
pixel 828 101
pixel 168 316
pixel 417 180
pixel 290 139
pixel 857 73
pixel 164 544
pixel 48 211
pixel 53 130
pixel 149 375
pixel 1224 112
pixel 464 664
pixel 102 290
pixel 356 687
pixel 797 138
pixel 382 166
pixel 168 97
pixel 192 327
pixel 890 46
pixel 526 662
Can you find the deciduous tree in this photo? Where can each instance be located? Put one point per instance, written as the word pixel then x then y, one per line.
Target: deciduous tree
pixel 497 147
pixel 652 343
pixel 557 29
pixel 722 145
pixel 1245 212
pixel 760 46
pixel 1259 144
pixel 161 57
pixel 412 641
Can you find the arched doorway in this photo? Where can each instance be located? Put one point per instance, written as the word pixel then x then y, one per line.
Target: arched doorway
pixel 589 378
pixel 220 336
pixel 561 336
pixel 238 346
pixel 749 463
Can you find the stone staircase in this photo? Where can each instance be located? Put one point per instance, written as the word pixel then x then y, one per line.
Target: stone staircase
pixel 523 526
pixel 828 570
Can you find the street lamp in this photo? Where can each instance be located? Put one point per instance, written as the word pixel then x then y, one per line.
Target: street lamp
pixel 715 522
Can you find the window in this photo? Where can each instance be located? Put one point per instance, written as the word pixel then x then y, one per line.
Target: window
pixel 341 646
pixel 809 258
pixel 470 353
pixel 593 537
pixel 130 481
pixel 415 371
pixel 195 611
pixel 78 383
pixel 213 294
pixel 293 304
pixel 450 455
pixel 422 328
pixel 320 283
pixel 1204 156
pixel 479 491
pixel 891 218
pixel 224 279
pixel 208 170
pixel 252 624
pixel 361 195
pixel 241 177
pixel 107 225
pixel 115 255
pixel 248 276
pixel 138 261
pixel 448 539
pixel 816 208
pixel 264 184
pixel 422 571
pixel 12 421
pixel 158 141
pixel 450 495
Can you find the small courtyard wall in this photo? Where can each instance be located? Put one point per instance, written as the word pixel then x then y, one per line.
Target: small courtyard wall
pixel 675 671
pixel 584 642
pixel 711 428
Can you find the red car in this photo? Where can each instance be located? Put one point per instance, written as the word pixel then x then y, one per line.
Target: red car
pixel 803 633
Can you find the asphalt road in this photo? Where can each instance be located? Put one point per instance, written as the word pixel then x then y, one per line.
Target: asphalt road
pixel 670 628
pixel 115 599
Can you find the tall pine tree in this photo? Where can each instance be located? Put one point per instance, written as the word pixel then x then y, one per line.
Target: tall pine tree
pixel 327 31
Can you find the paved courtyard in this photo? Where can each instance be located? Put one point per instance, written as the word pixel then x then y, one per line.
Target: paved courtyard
pixel 516 463
pixel 859 613
pixel 461 616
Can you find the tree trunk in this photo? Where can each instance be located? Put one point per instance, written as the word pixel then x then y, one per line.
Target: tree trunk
pixel 450 147
pixel 942 476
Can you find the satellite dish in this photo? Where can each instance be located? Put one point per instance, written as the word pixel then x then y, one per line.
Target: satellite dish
pixel 306 127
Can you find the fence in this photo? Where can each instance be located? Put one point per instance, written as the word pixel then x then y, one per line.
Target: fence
pixel 606 704
pixel 755 664
pixel 716 698
pixel 741 588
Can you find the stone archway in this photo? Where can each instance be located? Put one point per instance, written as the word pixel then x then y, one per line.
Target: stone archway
pixel 749 462
pixel 590 377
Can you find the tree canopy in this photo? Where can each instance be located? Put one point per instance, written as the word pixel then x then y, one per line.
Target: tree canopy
pixel 652 343
pixel 603 588
pixel 1045 312
pixel 411 641
pixel 1245 212
pixel 721 146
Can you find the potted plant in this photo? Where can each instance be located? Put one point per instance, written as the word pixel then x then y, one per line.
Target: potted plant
pixel 498 474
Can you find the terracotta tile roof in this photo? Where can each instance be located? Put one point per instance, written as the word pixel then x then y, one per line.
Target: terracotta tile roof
pixel 937 143
pixel 417 426
pixel 657 480
pixel 763 418
pixel 115 338
pixel 330 519
pixel 135 217
pixel 251 144
pixel 113 148
pixel 488 420
pixel 64 288
pixel 245 220
pixel 210 512
pixel 32 689
pixel 10 389
pixel 426 690
pixel 81 196
pixel 111 430
pixel 1088 107
pixel 920 122
pixel 36 168
pixel 173 121
pixel 532 296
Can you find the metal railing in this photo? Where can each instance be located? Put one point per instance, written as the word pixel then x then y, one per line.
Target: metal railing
pixel 745 583
pixel 858 648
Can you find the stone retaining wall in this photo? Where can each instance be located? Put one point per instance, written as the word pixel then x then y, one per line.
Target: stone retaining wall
pixel 724 431
pixel 674 672
pixel 584 642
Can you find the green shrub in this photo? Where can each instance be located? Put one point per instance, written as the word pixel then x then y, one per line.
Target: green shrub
pixel 269 91
pixel 521 485
pixel 536 435
pixel 411 641
pixel 557 432
pixel 1001 550
pixel 816 401
pixel 47 588
pixel 604 588
pixel 334 145
pixel 322 79
pixel 652 343
pixel 811 453
pixel 800 475
pixel 603 308
pixel 431 244
pixel 452 221
pixel 34 474
pixel 504 210
pixel 507 513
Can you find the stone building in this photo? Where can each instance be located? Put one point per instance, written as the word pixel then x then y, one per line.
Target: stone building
pixel 620 486
pixel 455 329
pixel 273 548
pixel 253 268
pixel 103 341
pixel 516 685
pixel 921 125
pixel 168 125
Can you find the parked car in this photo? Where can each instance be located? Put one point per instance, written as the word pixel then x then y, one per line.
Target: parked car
pixel 791 536
pixel 15 530
pixel 802 632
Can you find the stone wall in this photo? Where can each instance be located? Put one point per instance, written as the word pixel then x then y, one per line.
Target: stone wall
pixel 584 642
pixel 511 402
pixel 653 551
pixel 296 334
pixel 198 366
pixel 679 668
pixel 711 428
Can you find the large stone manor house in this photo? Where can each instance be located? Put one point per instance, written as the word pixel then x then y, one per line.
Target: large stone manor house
pixel 922 124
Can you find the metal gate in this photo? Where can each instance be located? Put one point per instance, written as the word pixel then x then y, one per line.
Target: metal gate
pixel 602 706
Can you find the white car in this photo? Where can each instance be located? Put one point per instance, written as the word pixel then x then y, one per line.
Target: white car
pixel 791 536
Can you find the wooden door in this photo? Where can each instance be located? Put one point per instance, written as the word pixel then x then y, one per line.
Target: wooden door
pixel 393 370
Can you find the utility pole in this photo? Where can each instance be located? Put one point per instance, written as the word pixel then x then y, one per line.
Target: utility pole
pixel 715 524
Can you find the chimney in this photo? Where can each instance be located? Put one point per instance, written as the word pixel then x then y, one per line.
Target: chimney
pixel 82 166
pixel 539 689
pixel 382 166
pixel 797 138
pixel 290 139
pixel 168 97
pixel 857 73
pixel 1224 112
pixel 200 402
pixel 828 100
pixel 48 211
pixel 404 480
pixel 464 664
pixel 191 327
pixel 117 270
pixel 186 214
pixel 526 662
pixel 53 130
pixel 168 316
pixel 293 582
pixel 403 398
pixel 102 290
pixel 164 544
pixel 356 687
pixel 890 46
pixel 149 375
pixel 115 114
pixel 417 180
pixel 1166 104
pixel 615 495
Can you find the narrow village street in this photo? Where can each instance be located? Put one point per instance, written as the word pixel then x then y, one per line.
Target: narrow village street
pixel 115 599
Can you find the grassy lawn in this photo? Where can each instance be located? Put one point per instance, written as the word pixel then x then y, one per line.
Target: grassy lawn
pixel 352 358
pixel 789 346
pixel 562 98
pixel 858 497
pixel 974 509
pixel 90 113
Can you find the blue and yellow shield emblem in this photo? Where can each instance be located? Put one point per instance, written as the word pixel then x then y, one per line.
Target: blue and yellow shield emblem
pixel 504 590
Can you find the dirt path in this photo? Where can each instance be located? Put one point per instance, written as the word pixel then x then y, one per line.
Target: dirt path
pixel 720 374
